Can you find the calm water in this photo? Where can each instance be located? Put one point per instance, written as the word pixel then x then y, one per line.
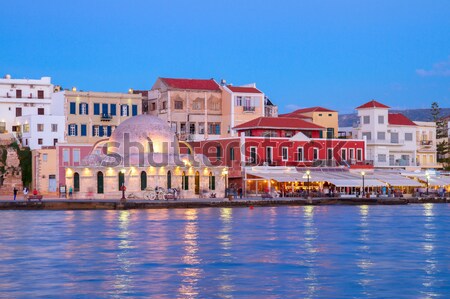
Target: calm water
pixel 280 252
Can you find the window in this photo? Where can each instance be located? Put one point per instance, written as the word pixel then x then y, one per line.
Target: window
pixel 184 181
pixel 44 157
pixel 54 127
pixel 359 154
pixel 95 131
pixel 381 158
pixel 299 153
pixel 72 108
pixel 179 105
pixel 96 109
pixel 76 156
pixel 169 179
pixel 55 141
pixel 83 130
pixel 218 152
pixel 214 105
pixel 269 154
pixel 112 107
pixel 252 154
pixel 394 137
pixel 143 180
pixel 381 135
pixel 124 110
pixel 72 130
pixel 18 93
pixel 192 128
pixel 105 109
pixel 40 94
pixel 330 154
pixel 381 119
pixel 121 180
pixel 330 133
pixel 201 128
pixel 40 127
pixel 212 182
pixel 408 136
pixel 368 135
pixel 231 154
pixel 164 105
pixel 26 128
pixel 18 111
pixel 134 110
pixel 320 114
pixel 214 128
pixel 105 131
pixel 344 154
pixel 315 154
pixel 182 128
pixel 40 111
pixel 284 153
pixel 40 141
pixel 84 109
pixel 197 105
pixel 153 106
pixel 352 154
pixel 366 119
pixel 329 114
pixel 238 101
pixel 66 156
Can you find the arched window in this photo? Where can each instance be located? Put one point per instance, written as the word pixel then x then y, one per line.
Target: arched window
pixel 169 179
pixel 100 182
pixel 197 182
pixel 143 180
pixel 184 181
pixel 121 180
pixel 76 182
pixel 212 181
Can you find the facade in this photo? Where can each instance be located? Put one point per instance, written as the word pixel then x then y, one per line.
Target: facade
pixel 320 116
pixel 92 116
pixel 426 154
pixel 45 170
pixel 149 159
pixel 26 112
pixel 192 107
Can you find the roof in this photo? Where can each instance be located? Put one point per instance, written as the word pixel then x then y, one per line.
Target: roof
pixel 399 119
pixel 279 123
pixel 199 84
pixel 372 104
pixel 142 92
pixel 244 89
pixel 293 114
pixel 312 109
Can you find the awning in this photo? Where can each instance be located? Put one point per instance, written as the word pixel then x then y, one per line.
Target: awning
pixel 401 182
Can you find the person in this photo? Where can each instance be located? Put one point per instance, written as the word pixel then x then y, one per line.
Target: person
pixel 15 192
pixel 70 192
pixel 240 192
pixel 25 193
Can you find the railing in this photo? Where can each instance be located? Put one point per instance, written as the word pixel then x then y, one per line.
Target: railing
pixel 105 117
pixel 248 108
pixel 426 142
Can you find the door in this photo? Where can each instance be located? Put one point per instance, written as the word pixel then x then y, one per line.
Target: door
pixel 197 183
pixel 76 182
pixel 52 183
pixel 100 182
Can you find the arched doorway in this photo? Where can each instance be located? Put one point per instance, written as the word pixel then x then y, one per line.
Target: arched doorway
pixel 197 182
pixel 212 181
pixel 184 181
pixel 76 182
pixel 169 179
pixel 100 182
pixel 143 180
pixel 121 180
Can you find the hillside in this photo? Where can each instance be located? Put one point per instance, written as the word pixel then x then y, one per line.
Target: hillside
pixel 347 120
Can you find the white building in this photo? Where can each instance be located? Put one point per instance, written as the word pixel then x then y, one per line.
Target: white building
pixel 25 112
pixel 426 144
pixel 392 138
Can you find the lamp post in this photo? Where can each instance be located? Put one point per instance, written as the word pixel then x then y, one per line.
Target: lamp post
pixel 427 175
pixel 308 176
pixel 362 175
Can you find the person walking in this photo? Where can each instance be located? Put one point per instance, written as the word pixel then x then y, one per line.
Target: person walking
pixel 15 192
pixel 240 192
pixel 25 193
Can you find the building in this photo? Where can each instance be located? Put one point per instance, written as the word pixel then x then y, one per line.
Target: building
pixel 44 170
pixel 320 116
pixel 192 107
pixel 392 137
pixel 142 153
pixel 26 112
pixel 426 154
pixel 92 116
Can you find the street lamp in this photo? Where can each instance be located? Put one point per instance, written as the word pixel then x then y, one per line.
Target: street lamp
pixel 362 175
pixel 308 176
pixel 427 175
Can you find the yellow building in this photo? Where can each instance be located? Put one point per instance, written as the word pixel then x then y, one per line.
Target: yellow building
pixel 320 116
pixel 44 171
pixel 92 116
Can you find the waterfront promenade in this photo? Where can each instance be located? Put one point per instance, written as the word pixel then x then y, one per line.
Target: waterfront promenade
pixel 6 203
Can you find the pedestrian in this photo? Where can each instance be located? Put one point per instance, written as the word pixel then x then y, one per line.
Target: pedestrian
pixel 70 192
pixel 15 192
pixel 240 192
pixel 25 193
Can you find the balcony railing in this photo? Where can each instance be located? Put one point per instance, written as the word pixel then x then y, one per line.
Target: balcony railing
pixel 426 142
pixel 248 108
pixel 105 117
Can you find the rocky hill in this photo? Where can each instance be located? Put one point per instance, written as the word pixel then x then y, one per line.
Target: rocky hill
pixel 347 120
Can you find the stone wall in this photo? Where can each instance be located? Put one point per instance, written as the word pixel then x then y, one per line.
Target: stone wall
pixel 11 174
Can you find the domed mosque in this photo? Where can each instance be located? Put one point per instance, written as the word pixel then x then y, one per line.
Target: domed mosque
pixel 142 154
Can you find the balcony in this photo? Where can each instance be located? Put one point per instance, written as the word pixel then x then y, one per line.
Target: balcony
pixel 248 108
pixel 106 117
pixel 426 143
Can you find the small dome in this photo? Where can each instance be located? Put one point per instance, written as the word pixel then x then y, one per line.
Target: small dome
pixel 142 133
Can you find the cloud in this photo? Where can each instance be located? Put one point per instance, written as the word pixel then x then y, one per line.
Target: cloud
pixel 292 107
pixel 441 69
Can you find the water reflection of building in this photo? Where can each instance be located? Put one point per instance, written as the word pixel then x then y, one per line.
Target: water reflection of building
pixel 141 153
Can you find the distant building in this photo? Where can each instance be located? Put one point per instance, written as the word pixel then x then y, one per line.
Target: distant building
pixel 320 116
pixel 26 113
pixel 426 154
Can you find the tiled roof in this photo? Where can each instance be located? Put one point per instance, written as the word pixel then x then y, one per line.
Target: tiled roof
pixel 243 89
pixel 372 104
pixel 279 123
pixel 198 84
pixel 296 115
pixel 143 92
pixel 399 119
pixel 312 109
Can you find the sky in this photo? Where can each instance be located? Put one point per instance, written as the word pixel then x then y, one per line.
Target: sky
pixel 336 54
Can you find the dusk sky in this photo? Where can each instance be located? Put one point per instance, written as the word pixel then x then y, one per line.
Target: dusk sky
pixel 336 54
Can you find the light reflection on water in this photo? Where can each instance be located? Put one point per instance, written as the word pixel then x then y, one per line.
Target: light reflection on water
pixel 276 252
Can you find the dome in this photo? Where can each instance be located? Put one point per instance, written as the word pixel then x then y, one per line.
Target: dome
pixel 143 134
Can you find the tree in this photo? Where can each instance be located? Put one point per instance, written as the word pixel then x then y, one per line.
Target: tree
pixel 441 130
